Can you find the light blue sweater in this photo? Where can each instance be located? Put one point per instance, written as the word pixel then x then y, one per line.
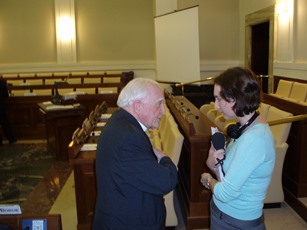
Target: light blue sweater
pixel 248 169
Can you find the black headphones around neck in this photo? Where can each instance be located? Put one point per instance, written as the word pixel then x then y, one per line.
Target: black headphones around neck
pixel 235 130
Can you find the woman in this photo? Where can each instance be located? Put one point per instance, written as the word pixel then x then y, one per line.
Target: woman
pixel 249 158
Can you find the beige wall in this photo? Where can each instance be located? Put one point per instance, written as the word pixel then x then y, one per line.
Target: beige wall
pixel 114 30
pixel 27 31
pixel 300 32
pixel 119 35
pixel 111 35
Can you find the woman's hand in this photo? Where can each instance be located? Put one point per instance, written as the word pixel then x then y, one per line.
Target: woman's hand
pixel 205 179
pixel 213 156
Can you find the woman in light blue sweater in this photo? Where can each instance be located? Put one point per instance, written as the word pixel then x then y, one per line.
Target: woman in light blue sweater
pixel 249 158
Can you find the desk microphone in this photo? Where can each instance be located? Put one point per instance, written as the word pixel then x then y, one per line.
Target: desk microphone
pixel 189 114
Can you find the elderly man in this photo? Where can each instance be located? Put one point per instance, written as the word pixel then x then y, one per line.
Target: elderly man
pixel 132 177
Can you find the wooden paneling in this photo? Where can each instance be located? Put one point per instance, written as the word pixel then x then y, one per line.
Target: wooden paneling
pixel 85 185
pixel 196 129
pixel 15 221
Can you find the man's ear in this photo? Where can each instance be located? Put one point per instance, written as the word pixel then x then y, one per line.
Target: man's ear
pixel 137 105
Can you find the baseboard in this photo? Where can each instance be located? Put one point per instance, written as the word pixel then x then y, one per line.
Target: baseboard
pixel 272 205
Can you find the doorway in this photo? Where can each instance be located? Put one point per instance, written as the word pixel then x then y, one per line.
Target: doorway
pixel 259 45
pixel 260 52
pixel 260 48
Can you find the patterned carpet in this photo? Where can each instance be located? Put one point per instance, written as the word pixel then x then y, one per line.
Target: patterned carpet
pixel 22 167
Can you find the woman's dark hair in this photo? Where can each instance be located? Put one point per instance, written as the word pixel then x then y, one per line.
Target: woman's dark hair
pixel 242 85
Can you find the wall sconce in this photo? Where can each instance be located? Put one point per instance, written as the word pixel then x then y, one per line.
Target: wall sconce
pixel 284 30
pixel 284 10
pixel 65 29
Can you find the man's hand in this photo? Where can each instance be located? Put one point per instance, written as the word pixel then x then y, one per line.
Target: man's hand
pixel 158 154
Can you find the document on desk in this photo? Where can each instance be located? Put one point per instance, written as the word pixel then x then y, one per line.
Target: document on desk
pixel 89 147
pixel 105 116
pixel 101 124
pixel 59 107
pixel 95 133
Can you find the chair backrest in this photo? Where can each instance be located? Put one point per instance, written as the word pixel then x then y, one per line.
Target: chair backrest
pixel 18 92
pixel 42 92
pixel 86 90
pixel 22 75
pixel 90 79
pixel 34 81
pixel 82 73
pixel 223 124
pixel 298 92
pixel 16 81
pixel 107 90
pixel 280 132
pixel 284 88
pixel 111 79
pixel 163 123
pixel 75 80
pixel 166 132
pixel 65 90
pixel 213 113
pixel 10 75
pixel 206 107
pixel 44 74
pixel 264 109
pixel 174 144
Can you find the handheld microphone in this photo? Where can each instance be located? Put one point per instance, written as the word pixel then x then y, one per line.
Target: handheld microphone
pixel 218 140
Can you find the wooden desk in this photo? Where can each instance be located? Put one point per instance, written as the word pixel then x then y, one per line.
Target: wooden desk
pixel 83 164
pixel 194 199
pixel 60 125
pixel 15 221
pixel 28 123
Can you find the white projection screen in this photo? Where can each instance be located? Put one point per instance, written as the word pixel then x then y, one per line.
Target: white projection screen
pixel 177 46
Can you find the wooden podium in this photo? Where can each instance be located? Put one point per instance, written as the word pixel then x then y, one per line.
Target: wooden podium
pixel 194 199
pixel 60 125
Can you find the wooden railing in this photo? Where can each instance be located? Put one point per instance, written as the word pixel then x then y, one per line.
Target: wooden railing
pixel 295 163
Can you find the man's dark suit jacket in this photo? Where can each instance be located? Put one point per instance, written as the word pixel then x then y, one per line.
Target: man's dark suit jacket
pixel 130 181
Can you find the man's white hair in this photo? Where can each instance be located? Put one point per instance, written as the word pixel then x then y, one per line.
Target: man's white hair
pixel 136 89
